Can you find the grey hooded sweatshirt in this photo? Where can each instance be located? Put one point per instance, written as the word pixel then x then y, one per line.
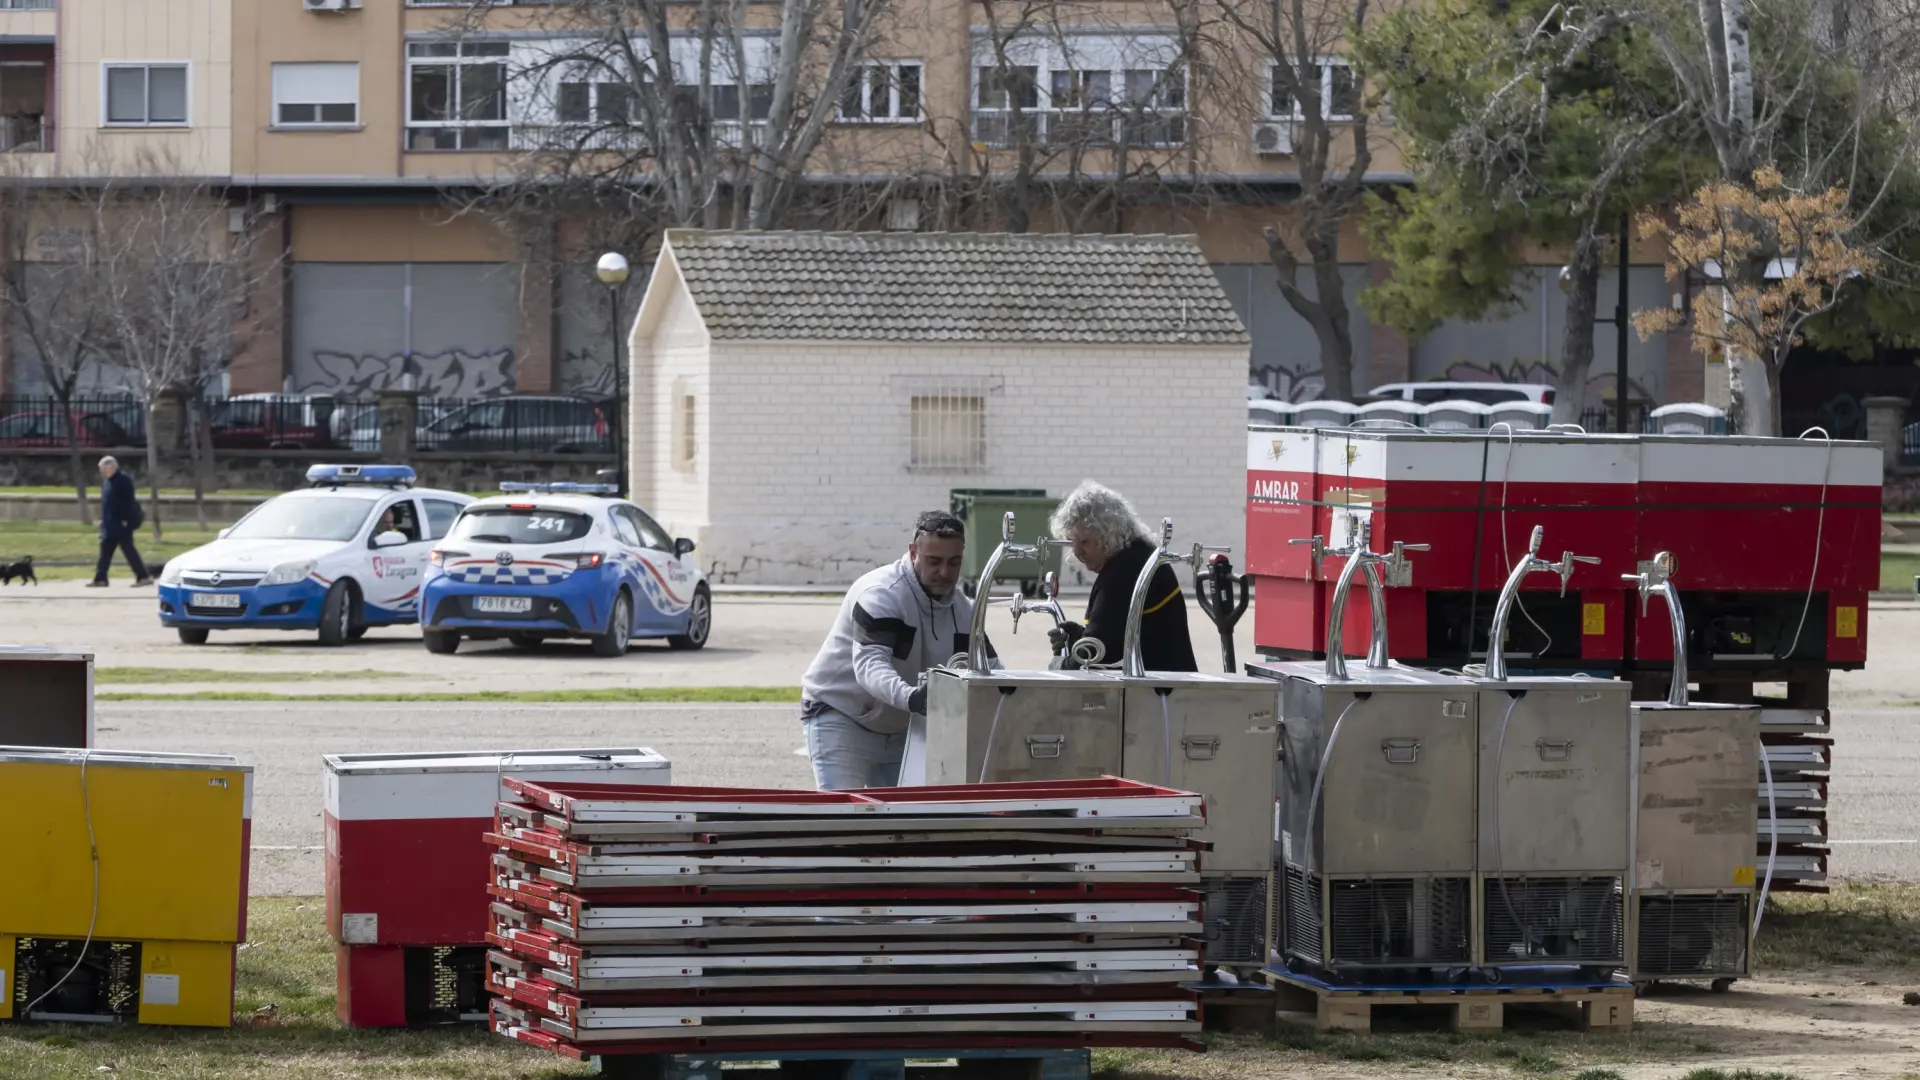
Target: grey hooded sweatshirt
pixel 888 632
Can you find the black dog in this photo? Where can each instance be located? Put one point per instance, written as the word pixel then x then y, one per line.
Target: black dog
pixel 22 570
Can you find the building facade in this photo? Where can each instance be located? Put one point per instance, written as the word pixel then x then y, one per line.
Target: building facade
pixel 355 132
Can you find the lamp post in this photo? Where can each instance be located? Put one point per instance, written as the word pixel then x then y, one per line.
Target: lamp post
pixel 1620 324
pixel 612 272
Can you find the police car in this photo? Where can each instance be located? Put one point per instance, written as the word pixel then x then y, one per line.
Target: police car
pixel 563 561
pixel 347 553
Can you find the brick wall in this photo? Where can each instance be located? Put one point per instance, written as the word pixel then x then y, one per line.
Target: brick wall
pixel 806 471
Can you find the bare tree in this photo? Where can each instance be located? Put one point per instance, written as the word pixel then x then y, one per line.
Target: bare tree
pixel 178 268
pixel 49 292
pixel 1075 118
pixel 714 128
pixel 1298 73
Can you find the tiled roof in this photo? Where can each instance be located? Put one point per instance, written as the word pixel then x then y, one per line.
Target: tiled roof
pixel 957 287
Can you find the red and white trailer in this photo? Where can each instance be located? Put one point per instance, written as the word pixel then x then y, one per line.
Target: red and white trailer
pixel 1777 545
pixel 407 870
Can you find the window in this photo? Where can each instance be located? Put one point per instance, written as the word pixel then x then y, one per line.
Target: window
pixel 440 515
pixel 686 440
pixel 883 91
pixel 457 95
pixel 1097 91
pixel 501 525
pixel 651 534
pixel 402 517
pixel 1339 94
pixel 594 103
pixel 145 94
pixel 726 102
pixel 623 527
pixel 947 432
pixel 316 95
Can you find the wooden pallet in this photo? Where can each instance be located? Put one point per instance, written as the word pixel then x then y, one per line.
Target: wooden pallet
pixel 1479 1008
pixel 855 1065
pixel 1244 1009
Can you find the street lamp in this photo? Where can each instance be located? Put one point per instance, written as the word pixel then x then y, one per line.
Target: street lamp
pixel 1620 324
pixel 612 272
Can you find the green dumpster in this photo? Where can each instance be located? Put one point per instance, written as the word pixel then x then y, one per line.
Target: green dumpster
pixel 981 510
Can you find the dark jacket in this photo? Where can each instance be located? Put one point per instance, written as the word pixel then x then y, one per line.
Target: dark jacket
pixel 117 506
pixel 1165 644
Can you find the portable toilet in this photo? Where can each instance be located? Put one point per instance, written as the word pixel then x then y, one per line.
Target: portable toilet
pixel 1318 414
pixel 1520 415
pixel 1688 418
pixel 1457 416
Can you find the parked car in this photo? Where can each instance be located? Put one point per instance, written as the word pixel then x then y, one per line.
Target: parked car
pixel 535 423
pixel 46 428
pixel 266 422
pixel 1485 393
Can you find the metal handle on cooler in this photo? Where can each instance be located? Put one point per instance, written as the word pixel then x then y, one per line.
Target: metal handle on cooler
pixel 1045 746
pixel 1200 747
pixel 1400 751
pixel 1554 749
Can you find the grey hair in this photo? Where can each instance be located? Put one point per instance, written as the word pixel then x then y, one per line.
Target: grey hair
pixel 110 460
pixel 1098 514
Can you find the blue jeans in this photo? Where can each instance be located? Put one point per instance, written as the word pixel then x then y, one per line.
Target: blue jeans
pixel 847 756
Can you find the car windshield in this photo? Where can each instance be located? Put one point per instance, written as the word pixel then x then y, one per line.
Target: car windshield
pixel 304 518
pixel 507 525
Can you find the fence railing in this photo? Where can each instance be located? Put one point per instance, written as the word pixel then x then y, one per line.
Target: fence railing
pixel 511 424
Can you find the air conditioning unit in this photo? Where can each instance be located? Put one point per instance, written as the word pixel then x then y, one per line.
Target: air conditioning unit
pixel 1273 137
pixel 330 5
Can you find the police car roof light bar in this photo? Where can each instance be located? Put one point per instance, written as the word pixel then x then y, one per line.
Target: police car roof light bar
pixel 519 486
pixel 338 475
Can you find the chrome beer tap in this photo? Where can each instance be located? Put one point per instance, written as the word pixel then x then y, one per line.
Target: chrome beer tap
pixel 1131 663
pixel 1378 568
pixel 1529 564
pixel 1658 578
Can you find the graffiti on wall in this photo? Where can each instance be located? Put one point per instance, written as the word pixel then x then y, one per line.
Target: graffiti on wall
pixel 583 371
pixel 452 373
pixel 1283 383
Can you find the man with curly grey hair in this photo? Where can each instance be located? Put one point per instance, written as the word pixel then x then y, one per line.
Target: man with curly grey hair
pixel 1109 539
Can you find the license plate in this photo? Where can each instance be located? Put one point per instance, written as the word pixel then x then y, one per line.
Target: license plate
pixel 504 605
pixel 216 599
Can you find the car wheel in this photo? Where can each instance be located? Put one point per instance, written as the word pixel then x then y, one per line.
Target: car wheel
pixel 699 622
pixel 444 642
pixel 619 629
pixel 336 615
pixel 526 641
pixel 190 635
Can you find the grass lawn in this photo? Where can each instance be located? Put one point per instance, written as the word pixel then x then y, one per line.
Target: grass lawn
pixel 1897 570
pixel 65 550
pixel 289 964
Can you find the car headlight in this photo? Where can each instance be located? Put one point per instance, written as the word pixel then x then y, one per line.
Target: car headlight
pixel 170 575
pixel 288 573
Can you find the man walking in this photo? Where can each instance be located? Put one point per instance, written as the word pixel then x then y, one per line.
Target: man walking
pixel 870 675
pixel 119 517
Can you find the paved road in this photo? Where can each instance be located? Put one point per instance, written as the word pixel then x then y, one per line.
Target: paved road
pixel 1875 809
pixel 733 745
pixel 757 641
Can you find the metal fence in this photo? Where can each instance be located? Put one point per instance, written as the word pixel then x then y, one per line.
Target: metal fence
pixel 40 422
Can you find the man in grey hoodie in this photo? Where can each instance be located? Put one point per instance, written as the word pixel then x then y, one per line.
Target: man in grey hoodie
pixel 870 675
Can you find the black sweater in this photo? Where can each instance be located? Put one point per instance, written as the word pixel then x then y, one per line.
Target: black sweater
pixel 1165 644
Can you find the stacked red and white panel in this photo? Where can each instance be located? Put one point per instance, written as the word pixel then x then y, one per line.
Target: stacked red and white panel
pixel 674 920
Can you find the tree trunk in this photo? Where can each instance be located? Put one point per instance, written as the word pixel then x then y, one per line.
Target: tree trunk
pixel 202 450
pixel 153 470
pixel 1576 348
pixel 1334 332
pixel 76 471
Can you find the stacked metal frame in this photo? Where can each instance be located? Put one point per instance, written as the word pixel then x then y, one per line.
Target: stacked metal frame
pixel 670 920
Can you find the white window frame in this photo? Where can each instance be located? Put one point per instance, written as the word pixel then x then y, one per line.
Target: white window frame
pixel 1112 54
pixel 1327 64
pixel 864 86
pixel 107 66
pixel 274 101
pixel 938 435
pixel 459 62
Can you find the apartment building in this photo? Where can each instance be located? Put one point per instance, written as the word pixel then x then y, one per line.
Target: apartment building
pixel 351 128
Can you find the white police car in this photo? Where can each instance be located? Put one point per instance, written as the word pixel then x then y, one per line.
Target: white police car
pixel 345 554
pixel 563 561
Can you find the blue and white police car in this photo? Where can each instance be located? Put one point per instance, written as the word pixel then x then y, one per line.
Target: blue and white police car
pixel 563 561
pixel 347 553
